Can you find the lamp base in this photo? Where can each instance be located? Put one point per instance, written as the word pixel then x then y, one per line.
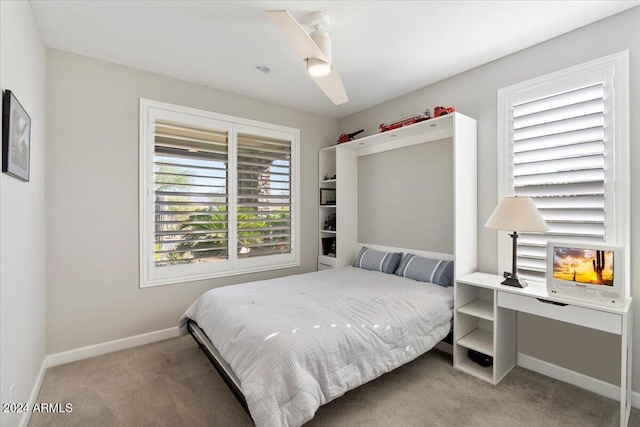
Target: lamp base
pixel 515 282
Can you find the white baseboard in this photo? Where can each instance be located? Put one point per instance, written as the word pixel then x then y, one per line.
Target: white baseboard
pixel 109 347
pixel 574 378
pixel 26 416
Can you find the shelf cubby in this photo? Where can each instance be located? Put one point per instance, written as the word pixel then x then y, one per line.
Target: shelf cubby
pixel 478 308
pixel 479 340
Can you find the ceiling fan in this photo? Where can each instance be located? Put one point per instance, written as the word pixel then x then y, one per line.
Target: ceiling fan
pixel 314 48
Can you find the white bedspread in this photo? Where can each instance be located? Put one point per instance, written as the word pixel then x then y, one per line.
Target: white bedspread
pixel 299 342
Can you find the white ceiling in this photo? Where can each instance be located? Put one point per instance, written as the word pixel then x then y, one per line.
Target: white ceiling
pixel 382 49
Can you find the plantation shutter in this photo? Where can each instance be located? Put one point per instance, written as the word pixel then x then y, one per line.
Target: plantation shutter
pixel 559 150
pixel 191 194
pixel 264 209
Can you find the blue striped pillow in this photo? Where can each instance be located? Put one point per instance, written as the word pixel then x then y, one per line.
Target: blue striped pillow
pixel 386 262
pixel 436 271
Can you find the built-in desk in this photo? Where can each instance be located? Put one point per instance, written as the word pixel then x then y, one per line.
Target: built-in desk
pixel 485 321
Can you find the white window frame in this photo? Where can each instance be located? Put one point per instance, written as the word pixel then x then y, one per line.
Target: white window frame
pixel 150 275
pixel 616 69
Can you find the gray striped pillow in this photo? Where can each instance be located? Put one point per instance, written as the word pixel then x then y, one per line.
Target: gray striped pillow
pixel 436 271
pixel 386 262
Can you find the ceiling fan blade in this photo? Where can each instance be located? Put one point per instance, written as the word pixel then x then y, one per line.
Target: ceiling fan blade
pixel 332 86
pixel 297 36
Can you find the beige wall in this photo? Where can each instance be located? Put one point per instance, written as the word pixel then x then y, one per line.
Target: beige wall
pixel 22 215
pixel 474 93
pixel 93 292
pixel 413 183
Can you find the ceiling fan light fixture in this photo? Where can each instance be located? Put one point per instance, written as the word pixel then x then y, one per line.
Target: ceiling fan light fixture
pixel 318 67
pixel 314 48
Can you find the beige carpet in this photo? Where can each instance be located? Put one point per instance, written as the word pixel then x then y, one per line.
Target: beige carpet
pixel 172 383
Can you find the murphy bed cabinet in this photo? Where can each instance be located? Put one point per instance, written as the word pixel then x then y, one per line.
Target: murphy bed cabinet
pixel 338 169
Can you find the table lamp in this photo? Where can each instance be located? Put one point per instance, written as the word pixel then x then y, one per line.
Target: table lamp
pixel 516 214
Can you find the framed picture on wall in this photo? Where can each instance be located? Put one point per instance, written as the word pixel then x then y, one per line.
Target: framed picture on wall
pixel 327 196
pixel 16 137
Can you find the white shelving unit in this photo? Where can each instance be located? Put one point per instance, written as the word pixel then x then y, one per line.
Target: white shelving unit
pixel 335 161
pixel 476 328
pixel 342 161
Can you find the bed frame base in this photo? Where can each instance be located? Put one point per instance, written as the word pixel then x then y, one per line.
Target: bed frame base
pixel 223 368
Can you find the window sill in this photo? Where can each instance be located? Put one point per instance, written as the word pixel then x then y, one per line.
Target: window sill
pixel 215 275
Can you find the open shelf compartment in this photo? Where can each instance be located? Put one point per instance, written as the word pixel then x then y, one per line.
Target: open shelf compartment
pixel 478 308
pixel 479 340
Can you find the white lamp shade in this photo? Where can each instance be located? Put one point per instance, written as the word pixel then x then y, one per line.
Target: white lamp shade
pixel 516 214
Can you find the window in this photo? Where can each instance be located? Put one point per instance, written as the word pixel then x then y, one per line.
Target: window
pixel 564 141
pixel 218 195
pixel 264 195
pixel 191 192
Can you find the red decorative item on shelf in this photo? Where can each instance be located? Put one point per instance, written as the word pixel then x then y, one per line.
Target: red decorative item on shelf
pixel 346 137
pixel 441 111
pixel 405 121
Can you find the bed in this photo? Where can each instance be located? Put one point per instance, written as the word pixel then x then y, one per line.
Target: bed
pixel 287 346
